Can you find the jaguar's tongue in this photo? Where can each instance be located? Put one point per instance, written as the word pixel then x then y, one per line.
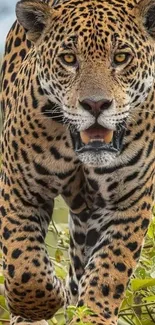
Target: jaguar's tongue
pixel 96 134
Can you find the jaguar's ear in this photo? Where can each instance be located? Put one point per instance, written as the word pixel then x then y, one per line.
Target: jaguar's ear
pixel 147 8
pixel 33 15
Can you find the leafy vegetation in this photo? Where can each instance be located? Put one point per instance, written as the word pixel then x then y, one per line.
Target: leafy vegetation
pixel 138 307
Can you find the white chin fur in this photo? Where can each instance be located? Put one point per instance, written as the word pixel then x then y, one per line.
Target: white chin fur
pixel 102 159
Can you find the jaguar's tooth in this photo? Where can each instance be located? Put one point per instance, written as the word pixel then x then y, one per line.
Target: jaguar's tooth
pixel 84 137
pixel 96 139
pixel 108 137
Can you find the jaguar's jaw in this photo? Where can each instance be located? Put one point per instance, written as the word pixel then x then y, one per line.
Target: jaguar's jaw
pixel 98 146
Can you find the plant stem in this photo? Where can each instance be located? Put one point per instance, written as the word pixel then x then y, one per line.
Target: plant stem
pixel 140 305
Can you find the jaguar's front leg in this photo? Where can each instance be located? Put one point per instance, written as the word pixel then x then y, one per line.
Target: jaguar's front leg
pixel 31 287
pixel 78 232
pixel 110 264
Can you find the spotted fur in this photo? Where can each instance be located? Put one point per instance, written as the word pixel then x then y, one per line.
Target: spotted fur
pixel 110 196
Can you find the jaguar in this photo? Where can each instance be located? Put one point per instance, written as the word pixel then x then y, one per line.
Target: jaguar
pixel 78 99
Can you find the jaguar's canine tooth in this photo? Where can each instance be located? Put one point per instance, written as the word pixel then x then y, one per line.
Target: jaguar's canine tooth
pixel 84 137
pixel 108 137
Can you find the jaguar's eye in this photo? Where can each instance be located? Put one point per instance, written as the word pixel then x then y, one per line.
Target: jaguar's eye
pixel 69 59
pixel 121 58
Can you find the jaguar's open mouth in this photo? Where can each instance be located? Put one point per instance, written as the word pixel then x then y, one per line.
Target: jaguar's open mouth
pixel 98 138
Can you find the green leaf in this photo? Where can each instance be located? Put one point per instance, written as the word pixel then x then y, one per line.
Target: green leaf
pixel 137 284
pixel 149 299
pixel 58 255
pixel 60 272
pixel 54 321
pixel 1 279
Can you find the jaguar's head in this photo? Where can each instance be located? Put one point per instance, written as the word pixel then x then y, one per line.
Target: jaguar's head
pixel 95 62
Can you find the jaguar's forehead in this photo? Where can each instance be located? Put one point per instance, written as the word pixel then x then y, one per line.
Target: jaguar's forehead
pixel 86 16
pixel 97 5
pixel 96 2
pixel 96 22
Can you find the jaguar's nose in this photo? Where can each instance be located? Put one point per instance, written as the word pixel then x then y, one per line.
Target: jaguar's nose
pixel 95 107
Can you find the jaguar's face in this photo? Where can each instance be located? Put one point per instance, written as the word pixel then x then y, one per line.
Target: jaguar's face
pixel 95 61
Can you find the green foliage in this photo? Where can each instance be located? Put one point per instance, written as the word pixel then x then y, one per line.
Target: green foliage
pixel 138 307
pixel 78 312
